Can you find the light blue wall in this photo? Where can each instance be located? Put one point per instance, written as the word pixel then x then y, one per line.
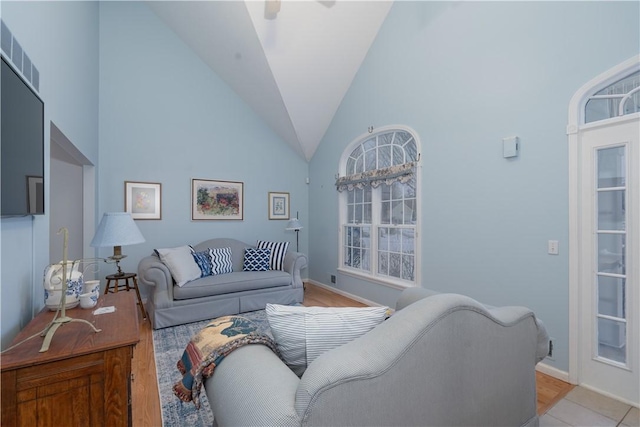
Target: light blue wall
pixel 61 39
pixel 166 117
pixel 464 75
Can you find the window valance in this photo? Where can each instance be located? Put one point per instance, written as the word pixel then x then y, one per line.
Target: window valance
pixel 398 173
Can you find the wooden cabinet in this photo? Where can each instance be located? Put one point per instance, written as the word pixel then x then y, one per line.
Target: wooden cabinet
pixel 84 379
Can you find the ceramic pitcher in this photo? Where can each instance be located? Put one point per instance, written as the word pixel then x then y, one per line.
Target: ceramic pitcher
pixel 53 285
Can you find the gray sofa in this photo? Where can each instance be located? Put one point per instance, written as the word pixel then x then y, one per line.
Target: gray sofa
pixel 218 295
pixel 440 360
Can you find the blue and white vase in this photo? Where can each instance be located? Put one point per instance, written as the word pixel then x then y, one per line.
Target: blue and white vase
pixel 53 285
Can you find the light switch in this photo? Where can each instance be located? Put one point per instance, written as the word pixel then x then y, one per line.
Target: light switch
pixel 510 147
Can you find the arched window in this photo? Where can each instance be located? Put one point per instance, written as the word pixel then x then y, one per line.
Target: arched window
pixel 379 206
pixel 617 99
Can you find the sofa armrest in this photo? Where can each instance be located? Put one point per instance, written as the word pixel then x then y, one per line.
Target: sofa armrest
pixel 293 263
pixel 252 387
pixel 542 339
pixel 152 272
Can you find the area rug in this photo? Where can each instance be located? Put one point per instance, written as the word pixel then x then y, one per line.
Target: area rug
pixel 168 345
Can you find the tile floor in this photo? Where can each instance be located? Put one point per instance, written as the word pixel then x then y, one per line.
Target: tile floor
pixel 585 408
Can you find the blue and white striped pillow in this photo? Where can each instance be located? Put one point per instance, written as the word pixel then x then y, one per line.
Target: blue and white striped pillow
pixel 221 260
pixel 278 251
pixel 304 333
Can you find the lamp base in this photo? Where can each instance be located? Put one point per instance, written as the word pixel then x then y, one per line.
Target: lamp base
pixel 120 273
pixel 116 258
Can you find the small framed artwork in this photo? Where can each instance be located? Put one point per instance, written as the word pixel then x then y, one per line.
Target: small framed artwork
pixel 216 199
pixel 278 205
pixel 143 200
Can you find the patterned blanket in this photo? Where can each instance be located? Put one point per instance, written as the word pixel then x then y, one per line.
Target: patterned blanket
pixel 209 347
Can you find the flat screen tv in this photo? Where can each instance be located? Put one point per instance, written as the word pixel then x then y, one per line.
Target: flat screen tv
pixel 21 146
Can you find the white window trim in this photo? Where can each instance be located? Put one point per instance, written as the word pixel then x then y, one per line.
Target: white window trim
pixel 373 276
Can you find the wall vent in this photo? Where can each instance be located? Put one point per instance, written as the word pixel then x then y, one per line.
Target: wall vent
pixel 19 57
pixel 16 54
pixel 5 39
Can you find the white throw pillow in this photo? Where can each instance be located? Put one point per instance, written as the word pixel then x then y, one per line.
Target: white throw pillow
pixel 181 264
pixel 304 333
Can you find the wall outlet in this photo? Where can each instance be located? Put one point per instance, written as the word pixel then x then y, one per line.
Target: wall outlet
pixel 333 278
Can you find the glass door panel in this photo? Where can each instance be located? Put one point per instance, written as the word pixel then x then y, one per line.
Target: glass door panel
pixel 611 296
pixel 611 167
pixel 611 254
pixel 612 340
pixel 611 210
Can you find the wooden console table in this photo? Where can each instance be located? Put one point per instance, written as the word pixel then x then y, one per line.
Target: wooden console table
pixel 85 377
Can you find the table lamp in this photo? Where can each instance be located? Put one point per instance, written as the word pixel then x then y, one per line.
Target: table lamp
pixel 294 224
pixel 117 229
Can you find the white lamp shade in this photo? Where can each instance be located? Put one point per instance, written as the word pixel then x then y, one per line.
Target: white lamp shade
pixel 117 229
pixel 294 224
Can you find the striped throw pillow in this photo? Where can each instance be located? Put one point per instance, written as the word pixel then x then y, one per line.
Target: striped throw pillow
pixel 278 251
pixel 304 333
pixel 221 260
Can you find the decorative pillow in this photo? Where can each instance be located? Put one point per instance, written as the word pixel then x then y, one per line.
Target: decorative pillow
pixel 278 251
pixel 304 333
pixel 180 263
pixel 203 259
pixel 256 259
pixel 221 260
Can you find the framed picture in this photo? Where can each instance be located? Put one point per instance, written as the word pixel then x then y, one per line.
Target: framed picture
pixel 143 200
pixel 278 205
pixel 216 199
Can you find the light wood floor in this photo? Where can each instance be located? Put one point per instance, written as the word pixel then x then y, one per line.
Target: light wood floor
pixel 144 388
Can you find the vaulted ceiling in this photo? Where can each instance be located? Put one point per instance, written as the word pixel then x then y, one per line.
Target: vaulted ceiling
pixel 294 69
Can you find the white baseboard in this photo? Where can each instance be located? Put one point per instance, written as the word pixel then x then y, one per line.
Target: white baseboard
pixel 553 372
pixel 344 294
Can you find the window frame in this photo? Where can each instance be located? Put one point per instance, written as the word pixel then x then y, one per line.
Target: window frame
pixel 376 223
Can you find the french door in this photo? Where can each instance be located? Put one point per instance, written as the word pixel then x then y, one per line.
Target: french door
pixel 609 294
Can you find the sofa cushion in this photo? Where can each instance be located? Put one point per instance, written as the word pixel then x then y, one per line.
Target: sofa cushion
pixel 256 259
pixel 238 281
pixel 180 263
pixel 278 251
pixel 221 260
pixel 304 333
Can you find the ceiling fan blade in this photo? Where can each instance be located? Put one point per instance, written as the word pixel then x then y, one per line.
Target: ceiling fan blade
pixel 327 3
pixel 271 9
